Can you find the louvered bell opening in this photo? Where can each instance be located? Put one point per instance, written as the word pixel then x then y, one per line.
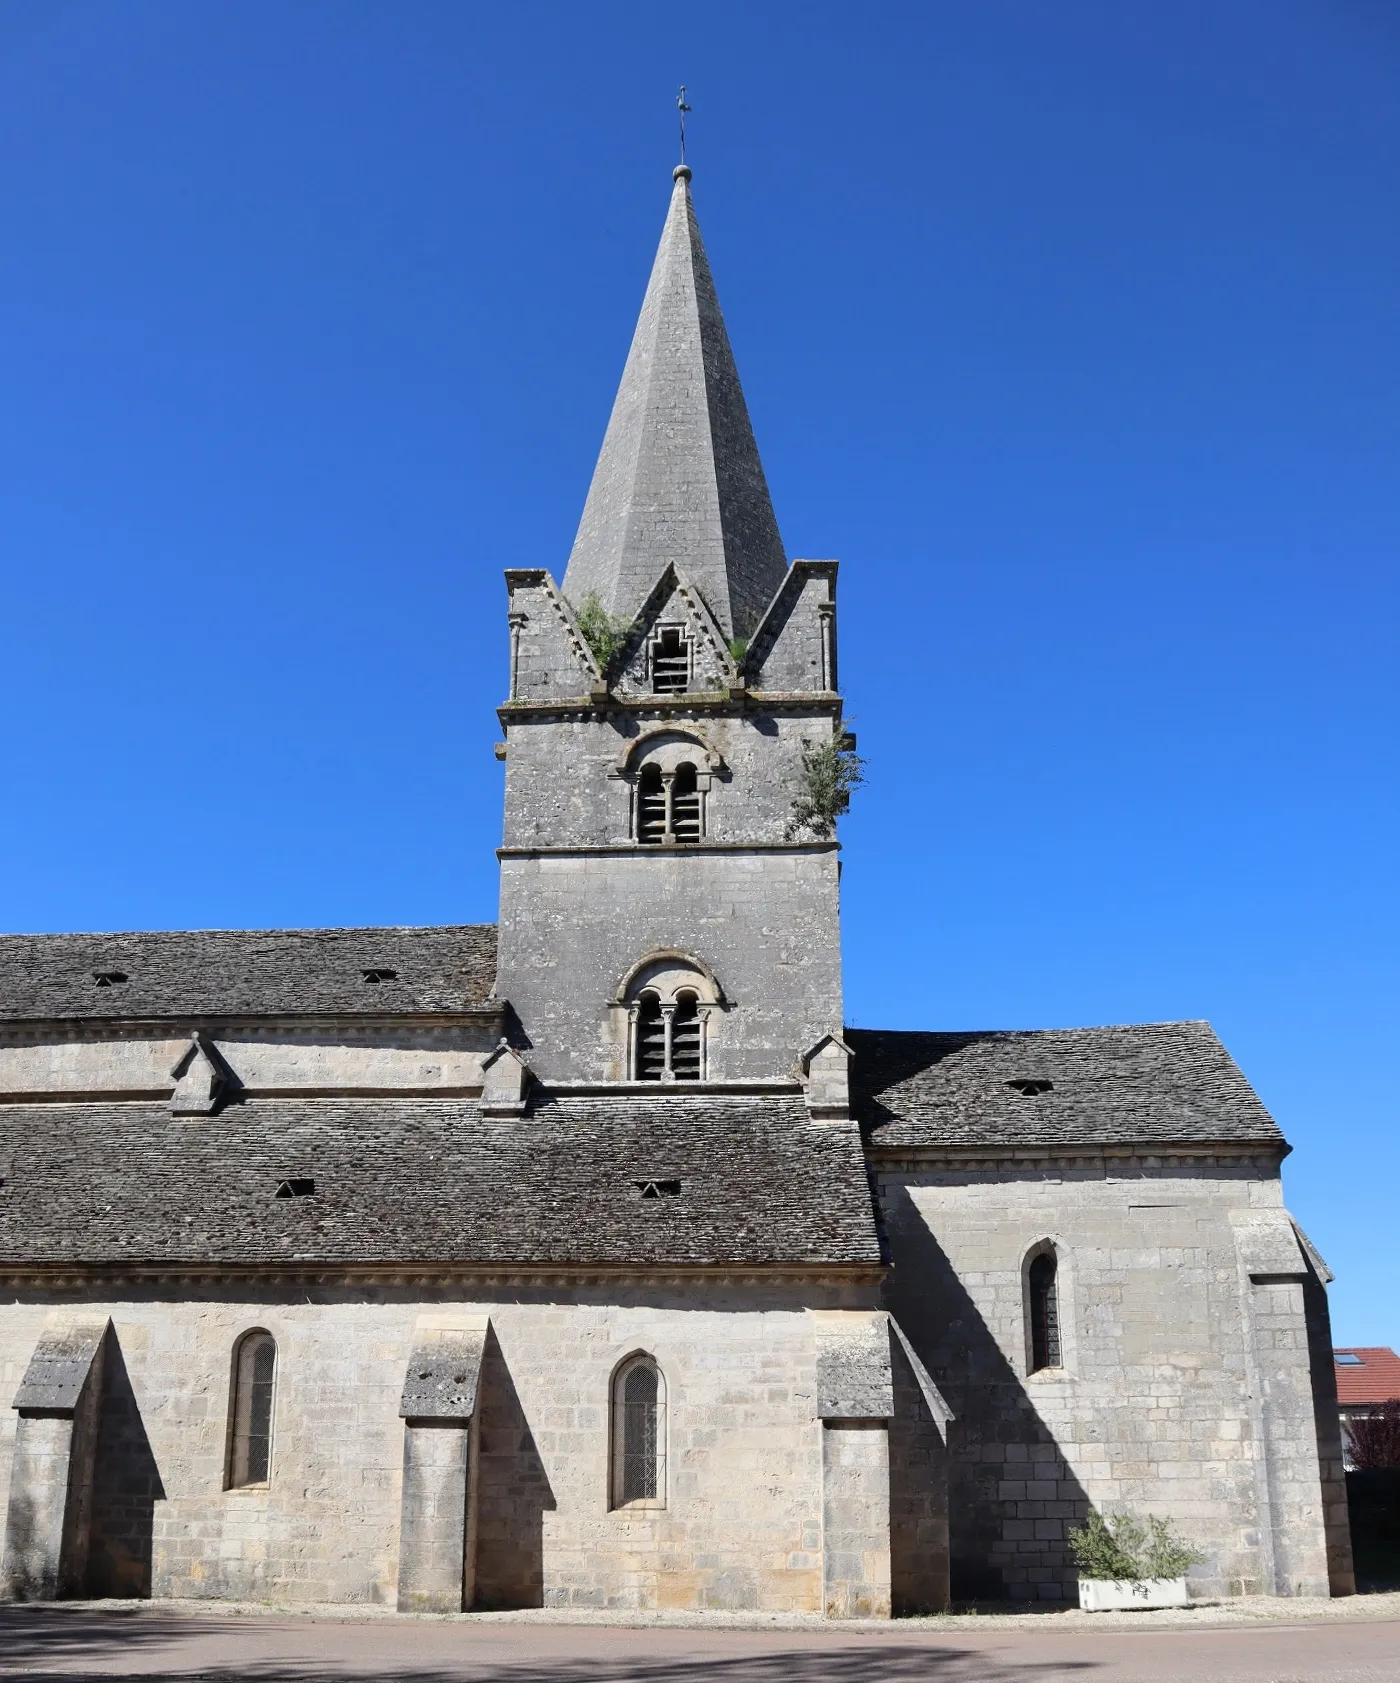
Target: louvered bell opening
pixel 685 1039
pixel 651 806
pixel 685 805
pixel 651 1039
pixel 670 665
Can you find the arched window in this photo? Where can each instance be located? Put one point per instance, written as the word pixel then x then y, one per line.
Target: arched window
pixel 685 804
pixel 670 1002
pixel 668 804
pixel 254 1379
pixel 1043 1308
pixel 651 805
pixel 685 1038
pixel 639 1435
pixel 670 663
pixel 651 1039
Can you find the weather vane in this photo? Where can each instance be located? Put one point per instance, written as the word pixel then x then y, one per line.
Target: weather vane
pixel 681 109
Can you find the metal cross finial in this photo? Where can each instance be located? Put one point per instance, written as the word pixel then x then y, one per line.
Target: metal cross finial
pixel 681 109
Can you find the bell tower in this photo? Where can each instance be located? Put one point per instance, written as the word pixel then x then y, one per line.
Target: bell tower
pixel 669 894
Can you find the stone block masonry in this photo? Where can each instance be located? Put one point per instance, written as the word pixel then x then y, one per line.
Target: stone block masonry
pixel 1182 1388
pixel 754 1500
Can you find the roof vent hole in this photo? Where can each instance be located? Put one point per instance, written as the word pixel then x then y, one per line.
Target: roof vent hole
pixel 108 978
pixel 379 974
pixel 297 1187
pixel 1028 1088
pixel 658 1188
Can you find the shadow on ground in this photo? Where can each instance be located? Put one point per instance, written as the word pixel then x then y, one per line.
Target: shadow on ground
pixel 84 1646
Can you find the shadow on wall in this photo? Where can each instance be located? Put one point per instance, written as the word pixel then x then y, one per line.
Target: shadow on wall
pixel 918 1497
pixel 1011 1496
pixel 126 1486
pixel 513 1494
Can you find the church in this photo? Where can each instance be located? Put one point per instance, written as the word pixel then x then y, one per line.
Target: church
pixel 587 1259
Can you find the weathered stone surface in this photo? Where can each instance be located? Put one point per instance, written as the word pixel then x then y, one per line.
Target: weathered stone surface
pixel 49 1507
pixel 853 1365
pixel 444 1367
pixel 1182 1388
pixel 679 478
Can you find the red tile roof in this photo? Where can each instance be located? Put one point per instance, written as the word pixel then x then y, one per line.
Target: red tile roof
pixel 1374 1379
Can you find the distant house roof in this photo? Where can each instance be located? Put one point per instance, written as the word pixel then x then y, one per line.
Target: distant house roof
pixel 618 1180
pixel 1371 1376
pixel 1149 1083
pixel 240 972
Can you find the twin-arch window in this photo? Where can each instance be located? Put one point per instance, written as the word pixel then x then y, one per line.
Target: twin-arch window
pixel 669 1002
pixel 668 804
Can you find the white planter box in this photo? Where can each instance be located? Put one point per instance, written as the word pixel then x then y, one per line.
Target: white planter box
pixel 1112 1595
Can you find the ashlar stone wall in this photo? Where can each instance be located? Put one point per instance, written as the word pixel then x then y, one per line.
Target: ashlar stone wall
pixel 1184 1387
pixel 742 1524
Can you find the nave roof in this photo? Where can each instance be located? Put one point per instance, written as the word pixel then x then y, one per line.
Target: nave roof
pixel 240 972
pixel 634 1180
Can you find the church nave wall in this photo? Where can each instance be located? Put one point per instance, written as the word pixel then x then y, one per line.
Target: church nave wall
pixel 741 1524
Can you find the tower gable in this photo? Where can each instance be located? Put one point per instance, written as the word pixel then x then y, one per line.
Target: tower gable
pixel 793 651
pixel 705 660
pixel 549 658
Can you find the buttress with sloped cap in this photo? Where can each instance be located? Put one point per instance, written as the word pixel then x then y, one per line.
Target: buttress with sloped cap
pixel 679 479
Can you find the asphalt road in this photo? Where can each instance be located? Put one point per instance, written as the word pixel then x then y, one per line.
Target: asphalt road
pixel 74 1643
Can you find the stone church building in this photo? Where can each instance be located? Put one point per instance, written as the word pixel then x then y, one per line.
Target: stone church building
pixel 586 1259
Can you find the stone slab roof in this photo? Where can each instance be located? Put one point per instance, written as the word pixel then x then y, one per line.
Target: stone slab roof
pixel 246 972
pixel 430 1181
pixel 1149 1084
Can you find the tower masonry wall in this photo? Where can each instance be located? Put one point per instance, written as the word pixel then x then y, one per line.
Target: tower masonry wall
pixel 1182 1388
pixel 742 1522
pixel 567 782
pixel 573 925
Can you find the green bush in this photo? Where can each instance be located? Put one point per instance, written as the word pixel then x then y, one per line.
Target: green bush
pixel 830 770
pixel 604 633
pixel 1121 1547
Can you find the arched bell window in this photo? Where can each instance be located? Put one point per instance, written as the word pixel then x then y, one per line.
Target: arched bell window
pixel 669 1003
pixel 1043 1310
pixel 639 1434
pixel 254 1385
pixel 672 775
pixel 685 804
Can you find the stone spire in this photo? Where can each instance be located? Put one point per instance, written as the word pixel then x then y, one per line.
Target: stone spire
pixel 679 479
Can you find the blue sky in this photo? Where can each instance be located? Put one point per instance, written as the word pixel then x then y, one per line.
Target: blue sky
pixel 1071 329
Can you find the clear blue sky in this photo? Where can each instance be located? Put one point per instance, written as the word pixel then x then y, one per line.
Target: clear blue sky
pixel 1070 328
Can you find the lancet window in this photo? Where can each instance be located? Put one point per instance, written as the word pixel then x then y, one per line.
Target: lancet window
pixel 254 1383
pixel 1043 1310
pixel 639 1435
